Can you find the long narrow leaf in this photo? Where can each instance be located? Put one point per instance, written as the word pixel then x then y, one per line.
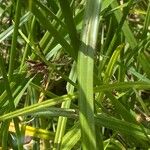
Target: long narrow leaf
pixel 85 74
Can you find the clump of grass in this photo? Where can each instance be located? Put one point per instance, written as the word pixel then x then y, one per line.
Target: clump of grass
pixel 74 74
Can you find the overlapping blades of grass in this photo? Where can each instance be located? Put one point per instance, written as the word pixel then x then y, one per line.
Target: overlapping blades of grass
pixel 48 26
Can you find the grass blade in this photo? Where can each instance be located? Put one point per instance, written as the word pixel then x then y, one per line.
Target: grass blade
pixel 85 74
pixel 14 39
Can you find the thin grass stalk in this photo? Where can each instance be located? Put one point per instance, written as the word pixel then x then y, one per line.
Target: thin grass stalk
pixel 68 15
pixel 47 40
pixel 14 39
pixel 4 134
pixel 27 45
pixel 117 32
pixel 63 120
pixel 11 106
pixel 147 21
pixel 109 70
pixel 85 74
pixel 126 30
